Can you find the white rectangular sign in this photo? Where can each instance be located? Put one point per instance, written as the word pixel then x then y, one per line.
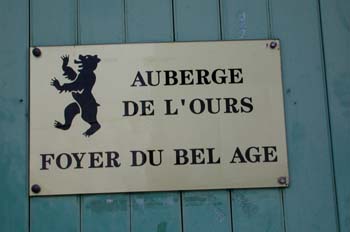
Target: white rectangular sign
pixel 156 117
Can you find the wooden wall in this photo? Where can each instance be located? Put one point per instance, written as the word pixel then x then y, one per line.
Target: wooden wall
pixel 315 40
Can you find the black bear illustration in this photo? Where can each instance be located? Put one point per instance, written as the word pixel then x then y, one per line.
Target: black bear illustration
pixel 80 86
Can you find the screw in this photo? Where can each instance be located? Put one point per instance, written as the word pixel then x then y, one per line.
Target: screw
pixel 282 180
pixel 36 188
pixel 36 52
pixel 273 44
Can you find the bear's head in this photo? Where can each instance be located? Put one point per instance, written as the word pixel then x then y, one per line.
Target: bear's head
pixel 87 62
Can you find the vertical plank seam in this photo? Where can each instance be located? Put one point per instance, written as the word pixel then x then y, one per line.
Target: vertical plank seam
pixel 77 23
pixel 81 213
pixel 282 194
pixel 125 38
pixel 231 206
pixel 124 2
pixel 228 191
pixel 124 18
pixel 130 212
pixel 270 36
pixel 30 41
pixel 269 19
pixel 181 211
pixel 179 193
pixel 171 29
pixel 231 209
pixel 78 41
pixel 324 71
pixel 220 19
pixel 173 19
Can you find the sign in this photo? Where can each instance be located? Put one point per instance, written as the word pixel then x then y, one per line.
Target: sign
pixel 156 117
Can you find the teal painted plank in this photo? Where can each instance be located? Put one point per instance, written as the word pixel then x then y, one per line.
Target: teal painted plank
pixel 156 212
pixel 256 210
pixel 196 20
pixel 105 213
pixel 309 202
pixel 336 34
pixel 252 210
pixel 54 214
pixel 244 19
pixel 54 23
pixel 13 119
pixel 206 211
pixel 202 210
pixel 102 22
pixel 149 21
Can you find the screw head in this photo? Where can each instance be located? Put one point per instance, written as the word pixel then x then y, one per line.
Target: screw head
pixel 36 52
pixel 273 45
pixel 36 188
pixel 282 180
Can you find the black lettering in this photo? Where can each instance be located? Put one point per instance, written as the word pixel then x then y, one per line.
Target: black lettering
pixel 181 156
pixel 186 76
pixel 147 108
pixel 127 111
pixel 151 157
pixel 135 159
pixel 230 104
pixel 248 155
pixel 149 78
pixel 168 108
pixel 112 159
pixel 238 155
pixel 95 161
pixel 197 156
pixel 222 79
pixel 202 77
pixel 210 105
pixel 78 159
pixel 211 157
pixel 235 75
pixel 201 106
pixel 170 77
pixel 269 154
pixel 59 162
pixel 46 159
pixel 138 79
pixel 247 104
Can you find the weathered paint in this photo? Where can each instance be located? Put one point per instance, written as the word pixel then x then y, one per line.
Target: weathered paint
pixel 336 37
pixel 152 211
pixel 155 212
pixel 111 211
pixel 105 24
pixel 55 214
pixel 13 115
pixel 200 20
pixel 309 203
pixel 251 20
pixel 54 23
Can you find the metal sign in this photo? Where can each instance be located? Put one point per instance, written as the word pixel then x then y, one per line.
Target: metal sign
pixel 156 117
